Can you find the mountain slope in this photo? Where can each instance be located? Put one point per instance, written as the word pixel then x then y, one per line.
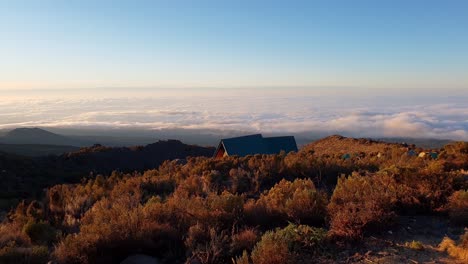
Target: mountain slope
pixel 37 136
pixel 36 150
pixel 341 145
pixel 105 159
pixel 26 177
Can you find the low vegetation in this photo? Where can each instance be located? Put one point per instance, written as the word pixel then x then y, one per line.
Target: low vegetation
pixel 285 208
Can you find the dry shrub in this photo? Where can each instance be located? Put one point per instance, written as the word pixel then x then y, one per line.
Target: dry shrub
pixel 244 259
pixel 32 255
pixel 360 203
pixel 113 230
pixel 458 207
pixel 244 240
pixel 425 189
pixel 459 251
pixel 11 234
pixel 271 250
pixel 297 201
pixel 225 209
pixel 287 245
pixel 207 245
pixel 40 232
pixel 256 214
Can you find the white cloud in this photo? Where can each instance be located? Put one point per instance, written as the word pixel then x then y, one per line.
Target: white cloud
pixel 365 117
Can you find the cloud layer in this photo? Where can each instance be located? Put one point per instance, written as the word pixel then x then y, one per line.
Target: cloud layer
pixel 395 116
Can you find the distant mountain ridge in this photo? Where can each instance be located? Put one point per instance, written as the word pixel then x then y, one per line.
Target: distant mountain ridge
pixel 106 159
pixel 38 136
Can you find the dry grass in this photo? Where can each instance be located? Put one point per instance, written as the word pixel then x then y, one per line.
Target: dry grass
pixel 415 245
pixel 458 251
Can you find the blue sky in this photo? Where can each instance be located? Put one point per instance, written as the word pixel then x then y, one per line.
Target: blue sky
pixel 367 45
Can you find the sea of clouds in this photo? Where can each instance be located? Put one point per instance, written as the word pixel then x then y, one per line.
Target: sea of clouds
pixel 245 110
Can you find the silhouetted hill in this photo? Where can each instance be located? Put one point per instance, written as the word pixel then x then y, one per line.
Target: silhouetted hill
pixel 38 136
pixel 36 150
pixel 26 177
pixel 105 159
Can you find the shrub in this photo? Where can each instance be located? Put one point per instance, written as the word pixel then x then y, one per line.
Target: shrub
pixel 459 251
pixel 287 244
pixel 225 209
pixel 271 250
pixel 458 207
pixel 244 259
pixel 33 255
pixel 426 190
pixel 114 229
pixel 298 201
pixel 40 232
pixel 360 203
pixel 207 245
pixel 245 240
pixel 12 234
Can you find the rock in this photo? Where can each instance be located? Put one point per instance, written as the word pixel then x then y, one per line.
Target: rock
pixel 140 259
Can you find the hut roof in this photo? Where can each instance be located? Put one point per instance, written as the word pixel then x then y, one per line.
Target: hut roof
pixel 257 144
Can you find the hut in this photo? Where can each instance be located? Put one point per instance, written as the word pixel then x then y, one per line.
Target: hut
pixel 254 144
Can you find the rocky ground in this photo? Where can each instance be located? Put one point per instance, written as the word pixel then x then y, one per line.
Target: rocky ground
pixel 414 239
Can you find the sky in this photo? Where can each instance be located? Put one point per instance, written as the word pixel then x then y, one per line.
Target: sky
pixel 371 44
pixel 366 67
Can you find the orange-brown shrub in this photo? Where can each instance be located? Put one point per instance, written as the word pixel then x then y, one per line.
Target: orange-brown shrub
pixel 457 250
pixel 12 254
pixel 287 245
pixel 297 201
pixel 225 209
pixel 40 232
pixel 244 240
pixel 271 250
pixel 12 234
pixel 115 229
pixel 458 207
pixel 360 203
pixel 207 245
pixel 424 189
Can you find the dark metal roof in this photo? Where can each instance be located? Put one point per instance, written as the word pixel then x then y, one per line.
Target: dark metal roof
pixel 257 144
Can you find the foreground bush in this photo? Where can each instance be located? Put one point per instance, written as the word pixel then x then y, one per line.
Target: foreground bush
pixel 460 250
pixel 33 255
pixel 361 203
pixel 298 201
pixel 287 245
pixel 458 207
pixel 113 230
pixel 40 232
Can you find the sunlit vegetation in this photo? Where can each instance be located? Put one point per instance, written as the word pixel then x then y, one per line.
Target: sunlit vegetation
pixel 285 208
